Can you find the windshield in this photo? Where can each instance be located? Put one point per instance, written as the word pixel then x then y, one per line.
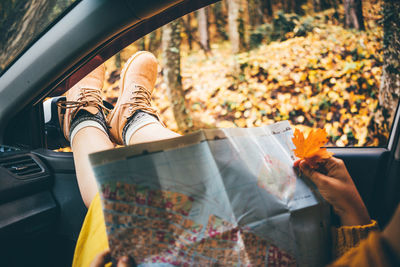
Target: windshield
pixel 22 21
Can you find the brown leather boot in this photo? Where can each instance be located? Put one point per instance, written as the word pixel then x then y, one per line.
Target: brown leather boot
pixel 138 78
pixel 85 95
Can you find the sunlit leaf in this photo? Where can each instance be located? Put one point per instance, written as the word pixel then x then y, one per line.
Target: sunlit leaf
pixel 311 148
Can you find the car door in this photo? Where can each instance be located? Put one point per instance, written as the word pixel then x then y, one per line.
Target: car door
pixel 41 212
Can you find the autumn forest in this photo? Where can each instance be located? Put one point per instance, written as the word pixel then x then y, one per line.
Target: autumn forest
pixel 318 64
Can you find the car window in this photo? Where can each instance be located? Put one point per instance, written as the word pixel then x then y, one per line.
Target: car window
pixel 23 21
pixel 252 63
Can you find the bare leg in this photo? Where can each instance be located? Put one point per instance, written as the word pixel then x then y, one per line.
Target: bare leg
pixel 151 132
pixel 87 134
pixel 86 141
pixel 90 139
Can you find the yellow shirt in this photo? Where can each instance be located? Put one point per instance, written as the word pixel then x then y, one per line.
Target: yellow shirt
pixel 347 237
pixel 371 252
pixel 92 238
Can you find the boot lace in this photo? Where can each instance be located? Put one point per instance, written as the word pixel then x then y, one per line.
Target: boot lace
pixel 87 97
pixel 140 100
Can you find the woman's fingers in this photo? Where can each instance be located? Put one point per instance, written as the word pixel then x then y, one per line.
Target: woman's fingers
pixel 337 187
pixel 319 179
pixel 101 259
pixel 297 163
pixel 105 257
pixel 125 262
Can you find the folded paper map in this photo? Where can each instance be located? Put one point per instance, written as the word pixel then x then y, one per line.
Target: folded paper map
pixel 226 197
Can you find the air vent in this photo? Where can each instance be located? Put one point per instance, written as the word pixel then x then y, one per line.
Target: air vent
pixel 22 167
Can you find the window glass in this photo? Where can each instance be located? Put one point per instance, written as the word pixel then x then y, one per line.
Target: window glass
pixel 22 21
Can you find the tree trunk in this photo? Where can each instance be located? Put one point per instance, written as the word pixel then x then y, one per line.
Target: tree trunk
pixel 220 20
pixel 353 14
pixel 317 5
pixel 286 5
pixel 389 91
pixel 325 4
pixel 154 42
pixel 297 7
pixel 234 27
pixel 188 30
pixel 255 12
pixel 267 8
pixel 142 43
pixel 171 40
pixel 191 37
pixel 118 60
pixel 203 28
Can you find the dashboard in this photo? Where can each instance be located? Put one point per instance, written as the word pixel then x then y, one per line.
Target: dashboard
pixel 25 190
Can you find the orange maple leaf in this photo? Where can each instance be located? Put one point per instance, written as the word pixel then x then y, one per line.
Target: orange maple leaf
pixel 311 148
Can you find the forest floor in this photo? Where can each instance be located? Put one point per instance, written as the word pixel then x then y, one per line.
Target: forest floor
pixel 327 79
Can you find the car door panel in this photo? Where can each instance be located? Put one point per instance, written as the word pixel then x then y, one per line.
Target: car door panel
pixel 28 210
pixel 17 215
pixel 388 194
pixel 71 209
pixel 367 167
pixel 66 192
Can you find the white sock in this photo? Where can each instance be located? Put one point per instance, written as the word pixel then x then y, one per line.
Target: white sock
pixel 140 120
pixel 84 124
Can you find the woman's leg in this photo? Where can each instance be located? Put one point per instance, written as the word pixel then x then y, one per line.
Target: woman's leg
pixel 86 141
pixel 132 114
pixel 151 132
pixel 84 124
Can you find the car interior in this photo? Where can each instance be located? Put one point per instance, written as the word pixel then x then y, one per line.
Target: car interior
pixel 41 210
